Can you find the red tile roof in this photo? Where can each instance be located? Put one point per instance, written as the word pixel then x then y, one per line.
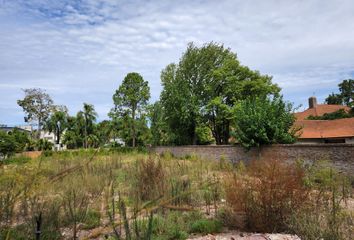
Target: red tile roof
pixel 319 110
pixel 326 128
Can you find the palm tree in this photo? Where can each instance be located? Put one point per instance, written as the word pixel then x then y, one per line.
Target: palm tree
pixel 57 123
pixel 90 117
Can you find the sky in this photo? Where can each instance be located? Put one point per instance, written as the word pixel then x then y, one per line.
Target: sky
pixel 80 51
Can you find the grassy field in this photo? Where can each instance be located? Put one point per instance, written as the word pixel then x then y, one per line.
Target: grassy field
pixel 115 194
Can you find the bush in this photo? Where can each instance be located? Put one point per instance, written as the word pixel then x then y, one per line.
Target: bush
pixel 265 120
pixel 92 220
pixel 324 217
pixel 206 226
pixel 7 145
pixel 44 144
pixel 150 179
pixel 267 193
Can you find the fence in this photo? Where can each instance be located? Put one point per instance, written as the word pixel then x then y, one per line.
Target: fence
pixel 341 155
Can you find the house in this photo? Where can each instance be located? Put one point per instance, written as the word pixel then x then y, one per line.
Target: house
pixel 8 129
pixel 50 137
pixel 324 131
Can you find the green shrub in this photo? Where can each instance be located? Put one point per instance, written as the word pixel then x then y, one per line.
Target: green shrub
pixel 44 144
pixel 17 160
pixel 92 220
pixel 206 226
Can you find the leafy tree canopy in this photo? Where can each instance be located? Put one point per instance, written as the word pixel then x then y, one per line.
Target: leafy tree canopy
pixel 346 95
pixel 37 105
pixel 202 89
pixel 264 120
pixel 130 101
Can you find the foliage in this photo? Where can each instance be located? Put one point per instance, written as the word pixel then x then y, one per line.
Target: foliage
pixel 57 122
pixel 44 145
pixel 305 199
pixel 13 142
pixel 89 116
pixel 264 120
pixel 206 226
pixel 324 217
pixel 203 87
pixel 81 130
pixel 160 133
pixel 346 95
pixel 150 183
pixel 204 135
pixel 37 105
pixel 92 220
pixel 7 145
pixel 130 100
pixel 92 188
pixel 341 113
pixel 267 192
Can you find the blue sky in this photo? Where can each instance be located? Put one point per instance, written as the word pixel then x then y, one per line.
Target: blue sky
pixel 80 51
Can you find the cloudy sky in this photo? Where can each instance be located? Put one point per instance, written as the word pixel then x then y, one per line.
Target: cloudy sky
pixel 80 51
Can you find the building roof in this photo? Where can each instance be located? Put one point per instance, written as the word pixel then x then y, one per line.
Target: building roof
pixel 320 110
pixel 338 128
pixel 7 129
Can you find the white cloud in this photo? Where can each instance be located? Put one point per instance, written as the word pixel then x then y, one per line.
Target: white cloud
pixel 82 52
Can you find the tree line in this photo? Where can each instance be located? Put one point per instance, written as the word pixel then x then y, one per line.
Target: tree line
pixel 208 97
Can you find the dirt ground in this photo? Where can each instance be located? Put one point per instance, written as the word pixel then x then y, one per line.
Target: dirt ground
pixel 246 236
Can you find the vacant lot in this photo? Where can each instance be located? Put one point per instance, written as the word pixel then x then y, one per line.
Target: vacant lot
pixel 106 194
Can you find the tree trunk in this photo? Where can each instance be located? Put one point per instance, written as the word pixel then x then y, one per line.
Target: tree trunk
pixel 58 136
pixel 39 129
pixel 194 135
pixel 133 127
pixel 85 132
pixel 226 133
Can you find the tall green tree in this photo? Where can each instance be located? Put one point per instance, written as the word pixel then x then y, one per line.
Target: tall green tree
pixel 346 95
pixel 264 120
pixel 130 101
pixel 89 115
pixel 346 89
pixel 74 134
pixel 105 131
pixel 160 133
pixel 57 122
pixel 202 89
pixel 37 105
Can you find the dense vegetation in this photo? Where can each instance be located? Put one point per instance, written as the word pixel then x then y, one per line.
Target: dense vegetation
pixel 264 120
pixel 341 113
pixel 198 105
pixel 346 95
pixel 133 195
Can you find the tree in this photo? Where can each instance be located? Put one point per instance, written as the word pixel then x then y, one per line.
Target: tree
pixel 81 129
pixel 130 100
pixel 7 145
pixel 264 120
pixel 37 105
pixel 57 122
pixel 21 139
pixel 73 136
pixel 160 133
pixel 334 99
pixel 346 95
pixel 89 114
pixel 105 131
pixel 202 89
pixel 347 91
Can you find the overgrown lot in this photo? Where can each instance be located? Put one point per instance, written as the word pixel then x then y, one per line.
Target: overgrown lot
pixel 106 194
